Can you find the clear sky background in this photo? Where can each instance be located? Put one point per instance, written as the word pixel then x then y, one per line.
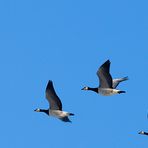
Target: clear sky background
pixel 66 41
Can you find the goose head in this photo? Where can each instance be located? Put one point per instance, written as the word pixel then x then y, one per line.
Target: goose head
pixel 141 132
pixel 85 88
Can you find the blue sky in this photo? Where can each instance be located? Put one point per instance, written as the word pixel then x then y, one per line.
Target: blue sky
pixel 66 41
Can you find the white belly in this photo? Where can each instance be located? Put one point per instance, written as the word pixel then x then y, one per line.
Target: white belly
pixel 58 113
pixel 108 91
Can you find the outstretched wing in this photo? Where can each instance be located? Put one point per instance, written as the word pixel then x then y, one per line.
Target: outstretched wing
pixel 51 96
pixel 104 76
pixel 117 81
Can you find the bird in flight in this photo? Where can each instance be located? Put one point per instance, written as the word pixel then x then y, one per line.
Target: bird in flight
pixel 107 85
pixel 55 108
pixel 143 133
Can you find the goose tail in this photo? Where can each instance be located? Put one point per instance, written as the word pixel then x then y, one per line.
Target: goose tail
pixel 71 114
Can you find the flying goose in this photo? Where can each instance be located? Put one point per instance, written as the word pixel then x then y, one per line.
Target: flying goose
pixel 143 133
pixel 107 85
pixel 55 104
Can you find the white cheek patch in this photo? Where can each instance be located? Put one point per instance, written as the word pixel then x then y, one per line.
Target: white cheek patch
pixel 86 88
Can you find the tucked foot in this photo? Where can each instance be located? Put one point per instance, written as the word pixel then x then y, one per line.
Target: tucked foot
pixel 65 119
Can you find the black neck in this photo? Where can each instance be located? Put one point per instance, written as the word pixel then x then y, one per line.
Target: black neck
pixel 93 89
pixel 145 133
pixel 45 111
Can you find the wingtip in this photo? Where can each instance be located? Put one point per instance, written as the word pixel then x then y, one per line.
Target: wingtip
pixel 126 78
pixel 69 121
pixel 108 61
pixel 49 81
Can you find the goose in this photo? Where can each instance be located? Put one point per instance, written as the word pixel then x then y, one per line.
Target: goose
pixel 55 109
pixel 107 85
pixel 143 133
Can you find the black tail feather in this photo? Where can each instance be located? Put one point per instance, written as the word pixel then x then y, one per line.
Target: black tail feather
pixel 125 78
pixel 71 114
pixel 119 92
